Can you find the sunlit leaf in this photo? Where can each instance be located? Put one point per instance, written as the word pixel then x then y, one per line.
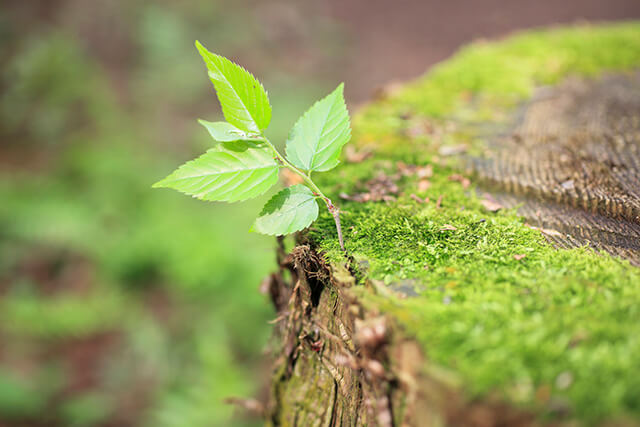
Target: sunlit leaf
pixel 291 210
pixel 228 173
pixel 243 99
pixel 225 132
pixel 316 140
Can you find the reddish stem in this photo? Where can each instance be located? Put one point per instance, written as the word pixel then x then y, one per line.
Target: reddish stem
pixel 336 217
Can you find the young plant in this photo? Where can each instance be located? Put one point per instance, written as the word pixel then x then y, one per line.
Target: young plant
pixel 245 164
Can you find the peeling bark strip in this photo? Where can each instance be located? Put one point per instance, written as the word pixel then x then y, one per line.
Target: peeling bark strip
pixel 323 375
pixel 341 364
pixel 573 162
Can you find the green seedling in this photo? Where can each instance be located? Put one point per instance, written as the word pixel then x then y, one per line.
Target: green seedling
pixel 244 163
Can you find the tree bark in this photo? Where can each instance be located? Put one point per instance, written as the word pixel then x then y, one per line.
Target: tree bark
pixel 569 158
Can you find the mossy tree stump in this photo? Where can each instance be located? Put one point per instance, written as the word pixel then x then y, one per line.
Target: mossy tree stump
pixel 491 214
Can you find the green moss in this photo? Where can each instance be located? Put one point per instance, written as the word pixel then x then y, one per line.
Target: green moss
pixel 498 75
pixel 555 329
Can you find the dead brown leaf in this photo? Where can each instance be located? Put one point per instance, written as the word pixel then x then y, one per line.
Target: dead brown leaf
pixel 461 179
pixel 518 257
pixel 419 171
pixel 382 187
pixel 424 185
pixel 547 231
pixel 490 203
pixel 425 171
pixel 416 198
pixel 358 197
pixel 448 227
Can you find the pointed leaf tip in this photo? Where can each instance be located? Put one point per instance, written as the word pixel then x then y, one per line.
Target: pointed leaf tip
pixel 244 101
pixel 317 138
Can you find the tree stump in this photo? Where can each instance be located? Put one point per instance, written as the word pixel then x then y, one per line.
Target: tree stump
pixel 492 222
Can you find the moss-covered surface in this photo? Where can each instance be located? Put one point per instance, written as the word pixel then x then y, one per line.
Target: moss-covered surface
pixel 557 331
pixel 484 79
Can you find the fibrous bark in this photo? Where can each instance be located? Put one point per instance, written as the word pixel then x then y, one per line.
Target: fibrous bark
pixel 412 326
pixel 344 364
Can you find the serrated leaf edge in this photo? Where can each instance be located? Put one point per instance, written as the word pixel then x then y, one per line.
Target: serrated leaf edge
pixel 167 181
pixel 202 50
pixel 339 90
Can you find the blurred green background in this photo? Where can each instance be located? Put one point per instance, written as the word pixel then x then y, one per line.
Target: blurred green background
pixel 122 305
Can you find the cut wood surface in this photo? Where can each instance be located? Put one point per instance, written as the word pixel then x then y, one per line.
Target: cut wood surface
pixel 572 163
pixel 491 223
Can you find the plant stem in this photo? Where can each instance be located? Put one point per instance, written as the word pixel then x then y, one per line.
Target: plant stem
pixel 333 210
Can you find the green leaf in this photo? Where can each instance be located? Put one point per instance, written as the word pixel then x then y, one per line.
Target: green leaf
pixel 315 142
pixel 226 132
pixel 243 99
pixel 228 173
pixel 291 210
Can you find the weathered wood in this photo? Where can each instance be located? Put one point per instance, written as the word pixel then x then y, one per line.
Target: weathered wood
pixel 343 364
pixel 572 162
pixel 446 312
